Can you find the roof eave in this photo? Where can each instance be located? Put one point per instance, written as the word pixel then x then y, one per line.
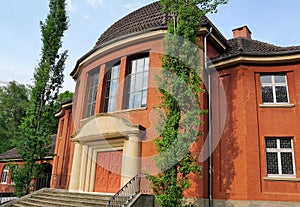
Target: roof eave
pixel 251 58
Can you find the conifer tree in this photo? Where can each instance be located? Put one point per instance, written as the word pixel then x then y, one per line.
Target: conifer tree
pixel 39 123
pixel 180 85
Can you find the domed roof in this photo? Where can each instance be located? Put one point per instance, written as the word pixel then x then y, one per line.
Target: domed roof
pixel 147 18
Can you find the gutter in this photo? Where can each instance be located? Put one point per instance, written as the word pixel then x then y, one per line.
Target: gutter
pixel 210 192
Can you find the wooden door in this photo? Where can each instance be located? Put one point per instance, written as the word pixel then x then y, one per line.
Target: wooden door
pixel 108 172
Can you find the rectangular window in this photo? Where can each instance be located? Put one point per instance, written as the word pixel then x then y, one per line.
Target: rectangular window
pixel 4 175
pixel 92 92
pixel 111 90
pixel 274 88
pixel 137 83
pixel 280 157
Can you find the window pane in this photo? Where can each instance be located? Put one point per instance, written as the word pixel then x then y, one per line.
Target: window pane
pixel 105 104
pixel 281 94
pixel 279 78
pixel 265 79
pixel 145 81
pixel 130 100
pixel 140 65
pixel 115 71
pixel 286 143
pixel 267 94
pixel 146 68
pixel 111 104
pixel 144 98
pixel 113 88
pixel 107 88
pixel 132 83
pixel 271 143
pixel 137 100
pixel 287 163
pixel 272 163
pixel 133 67
pixel 139 82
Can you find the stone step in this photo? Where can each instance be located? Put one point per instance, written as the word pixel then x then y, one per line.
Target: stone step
pixel 61 198
pixel 67 199
pixel 81 195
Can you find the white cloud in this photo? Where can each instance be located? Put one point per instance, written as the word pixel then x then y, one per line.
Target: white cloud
pixel 70 6
pixel 95 3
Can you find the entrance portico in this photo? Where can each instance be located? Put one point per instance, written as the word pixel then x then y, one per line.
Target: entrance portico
pixel 101 136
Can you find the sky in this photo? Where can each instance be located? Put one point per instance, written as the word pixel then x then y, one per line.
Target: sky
pixel 273 21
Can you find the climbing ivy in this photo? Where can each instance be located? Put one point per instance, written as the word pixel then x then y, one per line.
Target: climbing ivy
pixel 180 86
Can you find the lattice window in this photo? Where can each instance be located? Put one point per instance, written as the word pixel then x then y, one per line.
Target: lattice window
pixel 280 157
pixel 274 88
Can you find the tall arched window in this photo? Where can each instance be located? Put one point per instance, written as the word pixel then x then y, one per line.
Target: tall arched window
pixel 4 175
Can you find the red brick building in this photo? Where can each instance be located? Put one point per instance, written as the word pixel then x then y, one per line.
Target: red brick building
pixel 105 136
pixel 13 157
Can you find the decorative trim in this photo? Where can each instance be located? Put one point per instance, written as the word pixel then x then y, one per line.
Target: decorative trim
pixel 256 59
pixel 119 44
pixel 63 109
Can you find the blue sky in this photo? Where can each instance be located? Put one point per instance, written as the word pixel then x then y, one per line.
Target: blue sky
pixel 273 21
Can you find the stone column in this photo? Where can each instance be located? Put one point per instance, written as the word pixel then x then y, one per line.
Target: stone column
pixel 131 164
pixel 83 169
pixel 88 174
pixel 75 173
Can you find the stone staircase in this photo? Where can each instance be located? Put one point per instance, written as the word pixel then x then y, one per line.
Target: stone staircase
pixel 63 198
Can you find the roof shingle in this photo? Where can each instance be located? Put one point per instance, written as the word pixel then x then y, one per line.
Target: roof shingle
pixel 246 46
pixel 147 18
pixel 13 153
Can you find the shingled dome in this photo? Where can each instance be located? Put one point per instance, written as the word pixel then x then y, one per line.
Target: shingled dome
pixel 147 18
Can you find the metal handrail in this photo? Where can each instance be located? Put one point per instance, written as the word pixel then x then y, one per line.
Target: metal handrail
pixel 126 193
pixel 6 196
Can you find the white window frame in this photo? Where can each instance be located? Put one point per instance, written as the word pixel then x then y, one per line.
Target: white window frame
pixel 273 85
pixel 111 98
pixel 93 80
pixel 278 150
pixel 130 94
pixel 4 175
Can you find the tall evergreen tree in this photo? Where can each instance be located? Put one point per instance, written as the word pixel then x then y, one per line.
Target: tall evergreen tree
pixel 39 123
pixel 14 98
pixel 179 84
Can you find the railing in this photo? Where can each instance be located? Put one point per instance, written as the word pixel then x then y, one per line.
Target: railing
pixel 6 196
pixel 138 184
pixel 42 182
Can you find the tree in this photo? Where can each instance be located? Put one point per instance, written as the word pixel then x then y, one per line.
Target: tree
pixel 179 84
pixel 14 98
pixel 37 126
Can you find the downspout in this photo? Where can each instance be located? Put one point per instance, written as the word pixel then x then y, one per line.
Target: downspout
pixel 210 193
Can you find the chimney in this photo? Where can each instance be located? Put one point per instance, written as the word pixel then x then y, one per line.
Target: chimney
pixel 242 32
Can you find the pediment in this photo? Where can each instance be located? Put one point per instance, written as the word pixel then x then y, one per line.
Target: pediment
pixel 105 126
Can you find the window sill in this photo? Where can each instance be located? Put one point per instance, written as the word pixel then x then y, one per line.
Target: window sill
pixel 287 105
pixel 127 110
pixel 282 179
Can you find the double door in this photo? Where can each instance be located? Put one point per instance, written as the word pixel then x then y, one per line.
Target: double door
pixel 108 172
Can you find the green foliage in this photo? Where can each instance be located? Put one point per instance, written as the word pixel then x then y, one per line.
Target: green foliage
pixel 14 99
pixel 39 123
pixel 65 96
pixel 179 85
